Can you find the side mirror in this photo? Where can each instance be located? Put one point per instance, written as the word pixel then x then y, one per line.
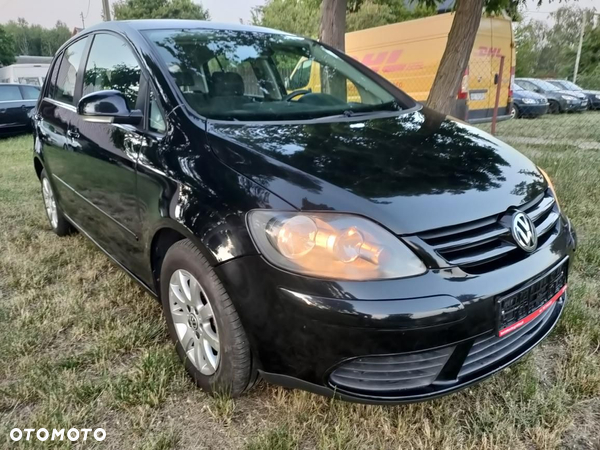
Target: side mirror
pixel 108 107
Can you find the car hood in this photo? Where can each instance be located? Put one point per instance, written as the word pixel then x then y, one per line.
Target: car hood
pixel 411 172
pixel 528 94
pixel 576 94
pixel 586 92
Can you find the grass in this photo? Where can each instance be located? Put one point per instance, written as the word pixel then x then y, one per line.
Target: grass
pixel 82 346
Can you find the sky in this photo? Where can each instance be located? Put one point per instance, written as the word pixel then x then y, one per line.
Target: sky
pixel 47 12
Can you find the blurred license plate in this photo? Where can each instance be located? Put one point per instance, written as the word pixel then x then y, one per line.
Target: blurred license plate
pixel 475 96
pixel 530 302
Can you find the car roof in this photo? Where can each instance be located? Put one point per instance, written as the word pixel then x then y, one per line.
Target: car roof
pixel 163 24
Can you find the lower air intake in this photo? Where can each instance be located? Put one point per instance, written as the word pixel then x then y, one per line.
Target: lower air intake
pixel 391 373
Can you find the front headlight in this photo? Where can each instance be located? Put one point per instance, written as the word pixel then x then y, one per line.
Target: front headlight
pixel 529 101
pixel 550 185
pixel 331 245
pixel 598 96
pixel 568 97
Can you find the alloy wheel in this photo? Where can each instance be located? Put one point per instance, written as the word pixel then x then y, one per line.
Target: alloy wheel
pixel 194 322
pixel 49 202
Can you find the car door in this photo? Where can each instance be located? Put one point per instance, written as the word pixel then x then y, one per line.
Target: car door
pixel 13 112
pixel 56 111
pixel 30 97
pixel 103 162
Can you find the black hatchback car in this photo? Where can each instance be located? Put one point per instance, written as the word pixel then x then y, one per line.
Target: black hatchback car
pixel 345 240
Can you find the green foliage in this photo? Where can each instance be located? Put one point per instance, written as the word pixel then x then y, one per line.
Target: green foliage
pixel 302 16
pixel 34 39
pixel 159 9
pixel 7 48
pixel 549 50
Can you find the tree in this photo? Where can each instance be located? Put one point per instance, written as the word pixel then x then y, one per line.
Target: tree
pixel 549 50
pixel 35 40
pixel 159 9
pixel 455 59
pixel 302 16
pixel 7 48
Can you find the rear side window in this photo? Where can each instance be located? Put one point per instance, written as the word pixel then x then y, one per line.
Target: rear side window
pixel 30 92
pixel 112 65
pixel 67 73
pixel 10 93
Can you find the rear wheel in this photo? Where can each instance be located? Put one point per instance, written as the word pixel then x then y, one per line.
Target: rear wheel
pixel 57 220
pixel 203 323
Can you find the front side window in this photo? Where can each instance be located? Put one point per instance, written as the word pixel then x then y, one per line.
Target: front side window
pixel 240 75
pixel 112 65
pixel 67 73
pixel 10 93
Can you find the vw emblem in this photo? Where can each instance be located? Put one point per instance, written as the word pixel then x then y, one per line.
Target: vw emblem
pixel 524 232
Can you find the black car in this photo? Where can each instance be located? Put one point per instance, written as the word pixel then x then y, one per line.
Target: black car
pixel 561 100
pixel 593 96
pixel 16 102
pixel 527 103
pixel 373 249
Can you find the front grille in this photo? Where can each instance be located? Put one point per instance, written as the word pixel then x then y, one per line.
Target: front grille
pixel 486 244
pixel 390 374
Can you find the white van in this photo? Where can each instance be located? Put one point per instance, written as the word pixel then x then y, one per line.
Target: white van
pixel 34 74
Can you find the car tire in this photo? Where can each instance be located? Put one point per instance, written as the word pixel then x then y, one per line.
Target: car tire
pixel 56 218
pixel 514 112
pixel 554 108
pixel 204 324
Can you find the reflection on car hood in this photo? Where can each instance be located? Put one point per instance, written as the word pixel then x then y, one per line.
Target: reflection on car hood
pixel 413 172
pixel 576 94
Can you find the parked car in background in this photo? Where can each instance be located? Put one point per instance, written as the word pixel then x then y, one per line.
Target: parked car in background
pixel 16 102
pixel 593 96
pixel 366 247
pixel 527 103
pixel 560 100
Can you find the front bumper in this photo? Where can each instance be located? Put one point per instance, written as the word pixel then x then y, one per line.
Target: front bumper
pixel 302 329
pixel 533 110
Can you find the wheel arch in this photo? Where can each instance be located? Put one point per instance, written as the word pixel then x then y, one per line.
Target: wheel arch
pixel 163 238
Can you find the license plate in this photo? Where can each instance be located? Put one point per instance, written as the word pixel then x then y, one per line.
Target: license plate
pixel 519 308
pixel 476 96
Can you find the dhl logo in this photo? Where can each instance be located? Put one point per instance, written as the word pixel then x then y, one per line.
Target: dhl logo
pixel 489 51
pixel 387 62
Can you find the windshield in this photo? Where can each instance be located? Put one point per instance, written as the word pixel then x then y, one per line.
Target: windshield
pixel 249 76
pixel 564 84
pixel 516 87
pixel 544 85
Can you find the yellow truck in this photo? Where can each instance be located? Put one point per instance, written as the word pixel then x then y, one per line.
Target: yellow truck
pixel 409 53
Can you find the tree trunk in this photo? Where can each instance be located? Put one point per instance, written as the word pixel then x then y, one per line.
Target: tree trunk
pixel 333 32
pixel 444 91
pixel 333 23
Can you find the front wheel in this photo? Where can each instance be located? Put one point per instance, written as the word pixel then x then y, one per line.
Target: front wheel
pixel 57 220
pixel 514 112
pixel 554 108
pixel 203 323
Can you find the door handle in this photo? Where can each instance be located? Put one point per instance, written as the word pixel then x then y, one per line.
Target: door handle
pixel 73 134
